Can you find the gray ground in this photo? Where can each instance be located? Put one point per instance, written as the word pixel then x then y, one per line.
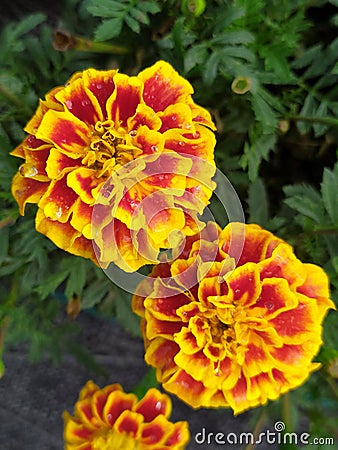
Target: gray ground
pixel 33 396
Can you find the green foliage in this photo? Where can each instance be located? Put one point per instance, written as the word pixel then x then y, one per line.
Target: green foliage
pixel 117 13
pixel 266 70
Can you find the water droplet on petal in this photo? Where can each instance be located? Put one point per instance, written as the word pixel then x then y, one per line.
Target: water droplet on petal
pixel 58 213
pixel 132 133
pixel 28 170
pixel 154 148
pixel 69 104
pixel 181 143
pixel 99 86
pixel 85 102
pixel 196 135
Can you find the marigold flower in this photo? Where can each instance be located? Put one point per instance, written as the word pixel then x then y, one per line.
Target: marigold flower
pixel 242 334
pixel 82 134
pixel 110 418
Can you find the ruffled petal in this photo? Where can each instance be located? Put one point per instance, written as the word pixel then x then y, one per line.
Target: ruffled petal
pixel 163 86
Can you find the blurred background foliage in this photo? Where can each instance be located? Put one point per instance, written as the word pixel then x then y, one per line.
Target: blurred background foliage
pixel 267 70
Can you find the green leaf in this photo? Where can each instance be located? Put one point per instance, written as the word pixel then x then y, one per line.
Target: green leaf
pixel 148 381
pixel 256 151
pixel 305 200
pixel 264 113
pixel 77 276
pixel 51 284
pixel 309 109
pixel 329 190
pixel 132 23
pixel 234 37
pixel 194 56
pixel 95 293
pixel 29 23
pixel 211 68
pixel 258 203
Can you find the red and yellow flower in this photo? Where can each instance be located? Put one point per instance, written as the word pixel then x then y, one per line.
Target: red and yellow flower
pixel 221 334
pixel 110 418
pixel 82 134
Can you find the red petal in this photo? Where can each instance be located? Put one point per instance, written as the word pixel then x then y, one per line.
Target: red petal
pixel 27 190
pixel 125 99
pixel 101 84
pixel 153 404
pixel 68 133
pixel 163 86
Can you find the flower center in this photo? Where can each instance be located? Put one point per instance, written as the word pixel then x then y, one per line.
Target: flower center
pixel 111 439
pixel 111 147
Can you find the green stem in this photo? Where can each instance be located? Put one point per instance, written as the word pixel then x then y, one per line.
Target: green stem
pixel 322 120
pixel 286 412
pixel 258 427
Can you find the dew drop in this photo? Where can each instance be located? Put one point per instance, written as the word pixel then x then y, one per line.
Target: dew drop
pixel 217 372
pixel 237 291
pixel 58 213
pixel 154 148
pixel 173 118
pixel 99 86
pixel 132 133
pixel 186 125
pixel 28 170
pixel 181 143
pixel 196 135
pixel 85 102
pixel 69 104
pixel 158 406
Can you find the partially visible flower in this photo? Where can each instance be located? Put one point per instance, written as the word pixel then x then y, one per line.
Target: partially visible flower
pixel 241 335
pixel 82 134
pixel 110 419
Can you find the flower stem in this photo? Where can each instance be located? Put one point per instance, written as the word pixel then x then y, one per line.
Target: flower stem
pixel 286 412
pixel 258 427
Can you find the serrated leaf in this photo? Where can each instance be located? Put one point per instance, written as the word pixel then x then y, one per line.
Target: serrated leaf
pixel 108 8
pixel 132 23
pixel 149 7
pixel 307 56
pixel 258 203
pixel 264 113
pixel 237 52
pixel 95 293
pixel 305 200
pixel 139 16
pixel 234 37
pixel 309 109
pixel 29 23
pixel 77 278
pixel 109 29
pixel 196 55
pixel 255 152
pixel 329 190
pixel 50 285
